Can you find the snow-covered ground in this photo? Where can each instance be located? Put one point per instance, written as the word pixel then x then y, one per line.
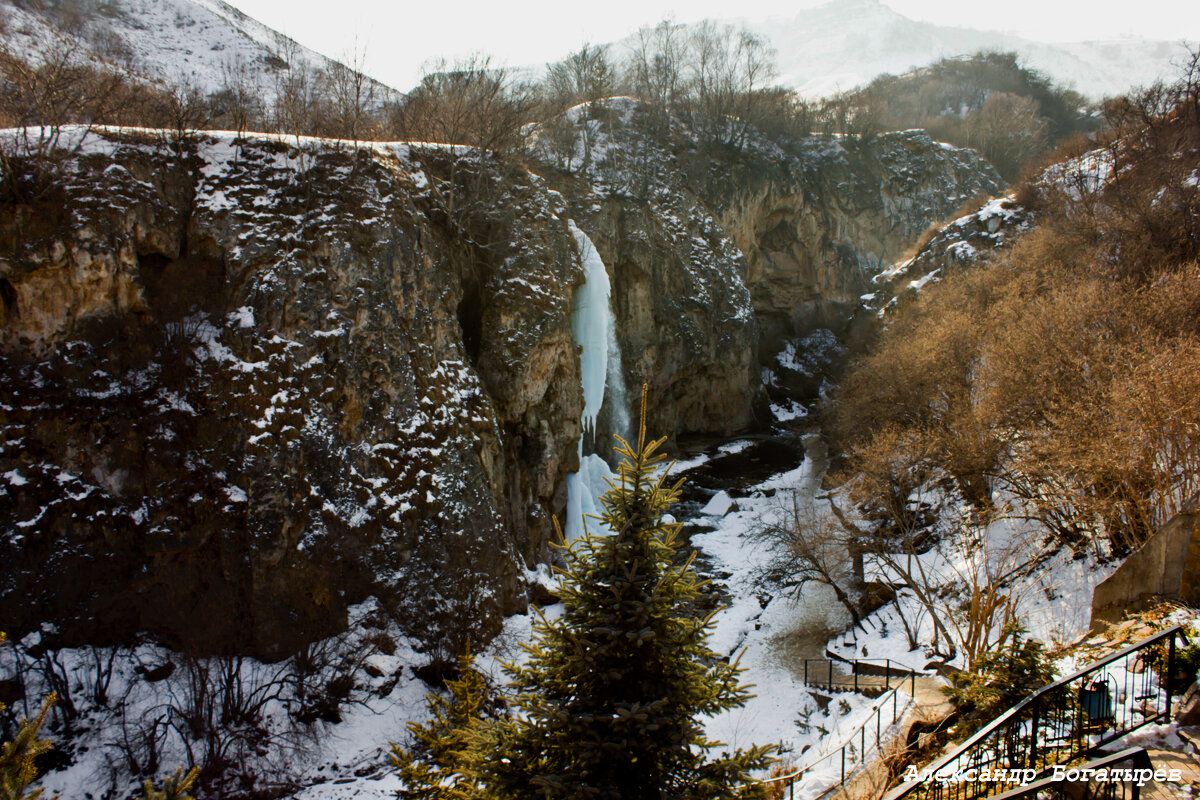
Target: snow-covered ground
pixel 1052 593
pixel 757 628
pixel 769 632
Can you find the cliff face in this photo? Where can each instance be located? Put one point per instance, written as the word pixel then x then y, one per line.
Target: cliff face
pixel 836 211
pixel 261 380
pixel 248 383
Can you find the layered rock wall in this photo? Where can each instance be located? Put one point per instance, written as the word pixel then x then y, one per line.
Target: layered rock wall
pixel 247 383
pixel 836 211
pixel 723 257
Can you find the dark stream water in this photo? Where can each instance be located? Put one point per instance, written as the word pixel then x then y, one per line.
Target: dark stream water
pixel 736 473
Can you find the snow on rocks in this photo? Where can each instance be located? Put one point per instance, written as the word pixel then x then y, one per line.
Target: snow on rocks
pixel 964 241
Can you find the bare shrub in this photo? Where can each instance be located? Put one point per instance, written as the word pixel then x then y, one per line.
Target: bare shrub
pixel 968 597
pixel 812 547
pixel 1061 377
pixel 470 102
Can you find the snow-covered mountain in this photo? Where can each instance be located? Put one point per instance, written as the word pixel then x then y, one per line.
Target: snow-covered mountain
pixel 203 44
pixel 846 43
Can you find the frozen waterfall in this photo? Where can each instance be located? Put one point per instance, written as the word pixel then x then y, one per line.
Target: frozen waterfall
pixel 591 321
pixel 594 328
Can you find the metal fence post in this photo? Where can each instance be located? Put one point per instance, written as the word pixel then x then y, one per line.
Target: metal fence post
pixel 1170 673
pixel 1033 731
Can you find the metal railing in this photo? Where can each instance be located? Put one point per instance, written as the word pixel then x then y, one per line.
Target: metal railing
pixel 863 674
pixel 866 739
pixel 1067 719
pixel 1052 788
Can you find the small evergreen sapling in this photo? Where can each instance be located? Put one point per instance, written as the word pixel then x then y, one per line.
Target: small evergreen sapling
pixel 1004 677
pixel 441 763
pixel 175 787
pixel 17 769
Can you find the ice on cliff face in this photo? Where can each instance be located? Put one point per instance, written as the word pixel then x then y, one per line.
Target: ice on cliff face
pixel 594 327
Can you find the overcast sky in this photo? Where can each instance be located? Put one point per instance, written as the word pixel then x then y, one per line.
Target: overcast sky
pixel 399 36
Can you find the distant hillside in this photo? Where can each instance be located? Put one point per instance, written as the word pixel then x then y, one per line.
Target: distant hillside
pixel 988 101
pixel 203 44
pixel 847 43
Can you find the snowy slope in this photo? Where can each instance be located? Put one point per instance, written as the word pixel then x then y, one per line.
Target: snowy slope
pixel 847 43
pixel 199 43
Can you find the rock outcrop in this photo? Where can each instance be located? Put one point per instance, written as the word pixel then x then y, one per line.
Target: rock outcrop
pixel 835 212
pixel 249 382
pixel 995 225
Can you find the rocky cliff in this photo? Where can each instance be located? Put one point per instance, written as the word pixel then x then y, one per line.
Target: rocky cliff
pixel 247 383
pixel 833 213
pixel 724 257
pixel 250 382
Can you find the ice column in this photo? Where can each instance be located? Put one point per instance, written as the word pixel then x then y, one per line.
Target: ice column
pixel 590 322
pixel 594 328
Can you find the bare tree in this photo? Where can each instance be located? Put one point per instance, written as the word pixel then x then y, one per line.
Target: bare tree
pixel 186 111
pixel 585 76
pixel 812 547
pixel 1009 130
pixel 40 98
pixel 353 97
pixel 469 102
pixel 581 79
pixel 967 593
pixel 729 67
pixel 295 93
pixel 238 104
pixel 657 68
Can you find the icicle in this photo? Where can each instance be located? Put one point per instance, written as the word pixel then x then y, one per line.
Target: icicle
pixel 617 404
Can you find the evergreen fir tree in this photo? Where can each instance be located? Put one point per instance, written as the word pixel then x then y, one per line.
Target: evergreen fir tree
pixel 1003 678
pixel 17 769
pixel 611 699
pixel 440 765
pixel 174 788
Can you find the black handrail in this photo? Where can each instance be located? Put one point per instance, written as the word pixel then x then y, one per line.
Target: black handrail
pixel 813 673
pixel 1052 726
pixel 857 756
pixel 1137 755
